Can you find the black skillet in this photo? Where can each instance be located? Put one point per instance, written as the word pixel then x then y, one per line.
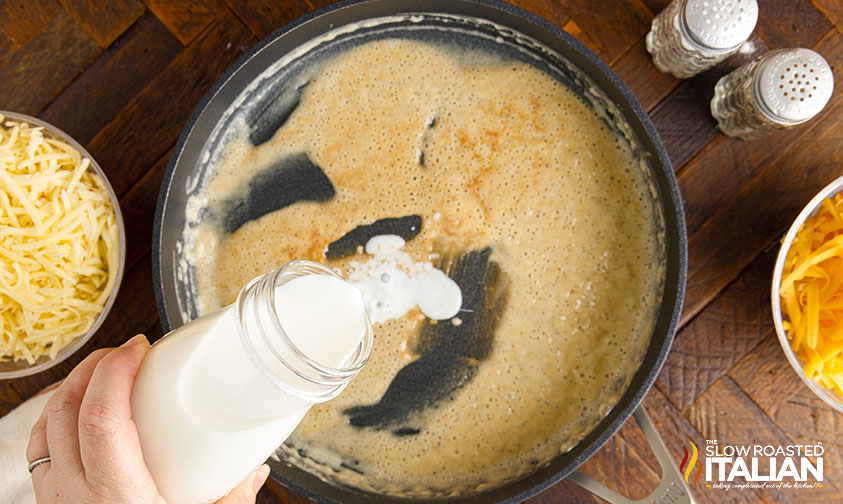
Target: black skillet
pixel 482 24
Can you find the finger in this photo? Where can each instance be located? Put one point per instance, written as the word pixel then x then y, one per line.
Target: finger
pixel 62 411
pixel 37 447
pixel 247 491
pixel 108 440
pixel 45 486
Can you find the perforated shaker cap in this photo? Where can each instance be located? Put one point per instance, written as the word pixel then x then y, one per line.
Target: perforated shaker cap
pixel 794 84
pixel 720 24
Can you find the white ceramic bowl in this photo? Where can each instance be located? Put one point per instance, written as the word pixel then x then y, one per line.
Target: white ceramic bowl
pixel 18 369
pixel 810 209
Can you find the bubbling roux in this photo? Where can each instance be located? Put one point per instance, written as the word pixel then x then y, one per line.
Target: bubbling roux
pixel 498 158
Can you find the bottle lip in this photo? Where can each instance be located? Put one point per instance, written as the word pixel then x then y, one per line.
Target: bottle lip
pixel 319 374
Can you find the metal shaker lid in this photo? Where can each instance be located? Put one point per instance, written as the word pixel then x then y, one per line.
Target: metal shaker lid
pixel 794 84
pixel 720 24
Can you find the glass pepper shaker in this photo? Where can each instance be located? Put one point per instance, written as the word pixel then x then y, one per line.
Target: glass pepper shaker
pixel 776 91
pixel 690 36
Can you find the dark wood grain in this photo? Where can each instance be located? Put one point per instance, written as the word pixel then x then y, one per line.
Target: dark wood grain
pixel 135 139
pixel 791 23
pixel 565 492
pixel 21 19
pixel 186 19
pixel 656 6
pixel 647 83
pixel 554 11
pixel 5 48
pixel 265 16
pixel 766 376
pixel 274 492
pixel 155 332
pixel 124 81
pixel 104 21
pixel 91 101
pixel 808 420
pixel 720 335
pixel 24 87
pixel 721 249
pixel 574 30
pixel 832 10
pixel 137 205
pixel 9 398
pixel 615 26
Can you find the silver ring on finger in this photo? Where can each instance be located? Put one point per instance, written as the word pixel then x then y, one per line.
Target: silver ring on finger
pixel 35 463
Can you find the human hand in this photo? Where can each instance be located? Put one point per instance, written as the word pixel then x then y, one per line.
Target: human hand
pixel 86 429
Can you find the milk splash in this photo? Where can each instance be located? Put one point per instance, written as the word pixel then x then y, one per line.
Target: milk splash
pixel 392 283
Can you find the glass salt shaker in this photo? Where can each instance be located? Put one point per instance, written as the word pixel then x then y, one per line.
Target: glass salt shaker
pixel 690 36
pixel 776 91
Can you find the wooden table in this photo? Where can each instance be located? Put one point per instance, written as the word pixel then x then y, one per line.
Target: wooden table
pixel 122 77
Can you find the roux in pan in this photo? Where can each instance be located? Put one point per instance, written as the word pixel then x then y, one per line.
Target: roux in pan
pixel 524 197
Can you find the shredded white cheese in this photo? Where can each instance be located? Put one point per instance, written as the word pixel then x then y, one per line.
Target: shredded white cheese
pixel 59 245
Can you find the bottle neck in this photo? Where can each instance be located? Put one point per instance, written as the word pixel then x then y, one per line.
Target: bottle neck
pixel 272 351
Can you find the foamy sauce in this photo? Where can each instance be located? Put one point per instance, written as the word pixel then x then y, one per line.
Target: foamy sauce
pixel 515 163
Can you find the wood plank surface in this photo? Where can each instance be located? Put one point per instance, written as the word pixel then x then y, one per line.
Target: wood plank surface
pixel 30 63
pixel 92 100
pixel 21 19
pixel 186 19
pixel 720 335
pixel 123 76
pixel 804 27
pixel 127 146
pixel 104 21
pixel 765 375
pixel 265 16
pixel 647 83
pixel 832 10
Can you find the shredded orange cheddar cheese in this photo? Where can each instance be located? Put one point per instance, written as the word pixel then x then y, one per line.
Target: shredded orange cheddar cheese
pixel 812 295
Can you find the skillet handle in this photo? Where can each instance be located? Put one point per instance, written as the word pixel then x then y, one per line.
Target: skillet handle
pixel 671 489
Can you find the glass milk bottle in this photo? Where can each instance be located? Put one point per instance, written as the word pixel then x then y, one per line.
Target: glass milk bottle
pixel 690 36
pixel 214 398
pixel 779 90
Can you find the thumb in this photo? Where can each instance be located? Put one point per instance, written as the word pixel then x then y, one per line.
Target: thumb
pixel 247 490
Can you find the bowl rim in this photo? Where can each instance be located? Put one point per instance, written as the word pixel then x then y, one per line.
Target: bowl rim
pixel 809 210
pixel 80 341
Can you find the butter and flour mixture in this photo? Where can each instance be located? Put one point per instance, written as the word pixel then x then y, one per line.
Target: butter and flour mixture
pixel 512 186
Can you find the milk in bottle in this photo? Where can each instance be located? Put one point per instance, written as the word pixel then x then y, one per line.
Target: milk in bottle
pixel 214 398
